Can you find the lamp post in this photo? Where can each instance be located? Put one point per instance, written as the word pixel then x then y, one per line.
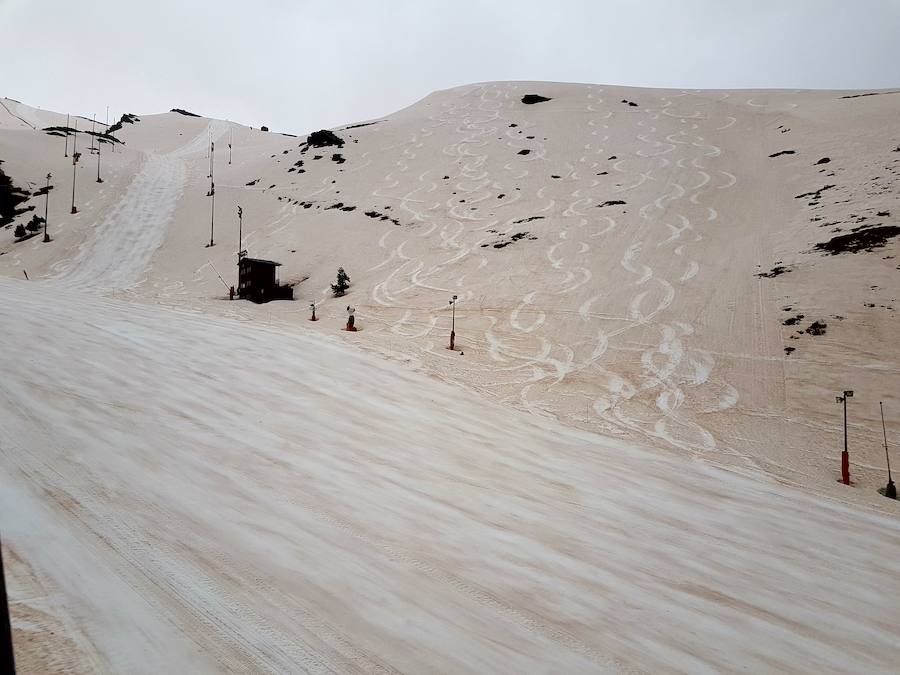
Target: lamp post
pixel 240 233
pixel 890 491
pixel 312 306
pixel 845 456
pixel 99 180
pixel 47 209
pixel 212 193
pixel 453 323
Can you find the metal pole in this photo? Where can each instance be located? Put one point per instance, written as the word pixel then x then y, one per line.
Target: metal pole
pixel 891 490
pixel 67 136
pixel 99 180
pixel 93 130
pixel 212 189
pixel 240 232
pixel 845 458
pixel 74 165
pixel 453 323
pixel 47 209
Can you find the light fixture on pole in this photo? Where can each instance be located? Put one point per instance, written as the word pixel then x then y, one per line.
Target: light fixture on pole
pixel 453 323
pixel 99 180
pixel 241 251
pixel 75 157
pixel 845 455
pixel 890 491
pixel 47 209
pixel 212 193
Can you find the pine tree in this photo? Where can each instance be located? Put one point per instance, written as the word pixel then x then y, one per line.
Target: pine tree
pixel 342 283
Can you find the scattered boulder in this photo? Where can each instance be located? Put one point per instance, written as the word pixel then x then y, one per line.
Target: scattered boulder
pixel 524 151
pixel 182 111
pixel 530 99
pixel 783 152
pixel 817 328
pixel 824 160
pixel 863 240
pixel 323 138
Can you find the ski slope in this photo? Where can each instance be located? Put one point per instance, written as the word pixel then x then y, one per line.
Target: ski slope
pixel 184 493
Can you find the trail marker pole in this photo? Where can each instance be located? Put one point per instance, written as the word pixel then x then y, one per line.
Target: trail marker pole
pixel 75 157
pixel 99 180
pixel 212 193
pixel 46 209
pixel 230 141
pixel 453 323
pixel 66 153
pixel 890 491
pixel 312 306
pixel 845 455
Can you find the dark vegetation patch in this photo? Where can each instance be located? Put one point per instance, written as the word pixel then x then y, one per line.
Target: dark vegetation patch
pixel 514 238
pixel 323 138
pixel 363 124
pixel 338 157
pixel 783 152
pixel 298 167
pixel 611 202
pixel 10 198
pixel 127 118
pixel 774 272
pixel 181 111
pixel 871 93
pixel 862 240
pixel 555 176
pixel 252 182
pixel 340 206
pixel 883 214
pixel 524 151
pixel 103 136
pixel 530 99
pixel 817 328
pixel 783 128
pixel 792 321
pixel 630 103
pixel 824 160
pixel 380 216
pixel 528 220
pixel 42 191
pixel 788 350
pixel 816 196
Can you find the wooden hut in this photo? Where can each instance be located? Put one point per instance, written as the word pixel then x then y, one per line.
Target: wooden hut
pixel 258 281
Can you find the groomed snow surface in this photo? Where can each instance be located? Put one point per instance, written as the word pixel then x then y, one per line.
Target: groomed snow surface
pixel 189 494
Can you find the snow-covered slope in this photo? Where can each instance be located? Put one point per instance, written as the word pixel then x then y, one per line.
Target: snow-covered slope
pixel 189 494
pixel 606 246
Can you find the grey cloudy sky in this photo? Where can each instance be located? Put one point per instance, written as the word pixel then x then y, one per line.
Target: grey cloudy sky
pixel 305 64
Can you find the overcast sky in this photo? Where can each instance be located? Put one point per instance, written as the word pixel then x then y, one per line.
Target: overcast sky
pixel 299 65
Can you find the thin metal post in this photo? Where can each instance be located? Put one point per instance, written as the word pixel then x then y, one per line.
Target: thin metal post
pixel 47 209
pixel 891 490
pixel 74 165
pixel 67 136
pixel 99 180
pixel 212 192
